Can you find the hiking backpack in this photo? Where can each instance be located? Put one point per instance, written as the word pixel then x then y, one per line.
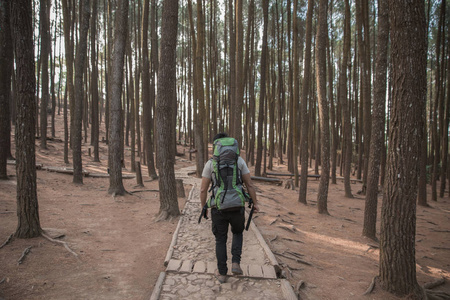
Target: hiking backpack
pixel 227 191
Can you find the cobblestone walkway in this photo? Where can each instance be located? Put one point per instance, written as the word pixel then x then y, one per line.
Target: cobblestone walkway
pixel 191 261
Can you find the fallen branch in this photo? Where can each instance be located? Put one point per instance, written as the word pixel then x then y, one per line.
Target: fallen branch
pixel 437 230
pixel 60 242
pixel 273 239
pixel 433 284
pixel 293 258
pixel 6 212
pixel 371 286
pixel 437 248
pixel 140 191
pixel 292 240
pixel 295 254
pixel 7 241
pixel 24 253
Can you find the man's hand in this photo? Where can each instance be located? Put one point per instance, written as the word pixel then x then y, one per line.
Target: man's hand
pixel 255 208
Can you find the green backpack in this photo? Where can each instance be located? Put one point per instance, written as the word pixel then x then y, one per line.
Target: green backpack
pixel 227 191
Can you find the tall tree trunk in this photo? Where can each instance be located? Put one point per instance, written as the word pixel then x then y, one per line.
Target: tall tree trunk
pixel 346 105
pixel 304 106
pixel 45 52
pixel 232 92
pixel 94 84
pixel 200 124
pixel 397 243
pixel 6 64
pixel 166 111
pixel 436 146
pixel 377 138
pixel 146 102
pixel 68 50
pixel 237 110
pixel 321 41
pixel 115 128
pixel 27 202
pixel 259 152
pixel 85 12
pixel 296 97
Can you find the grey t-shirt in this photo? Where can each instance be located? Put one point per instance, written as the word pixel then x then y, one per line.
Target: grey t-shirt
pixel 208 169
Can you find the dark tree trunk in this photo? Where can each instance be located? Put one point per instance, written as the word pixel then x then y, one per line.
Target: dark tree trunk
pixel 321 75
pixel 85 11
pixel 304 106
pixel 259 151
pixel 146 103
pixel 45 51
pixel 166 111
pixel 6 63
pixel 27 202
pixel 94 84
pixel 115 110
pixel 377 138
pixel 346 105
pixel 398 216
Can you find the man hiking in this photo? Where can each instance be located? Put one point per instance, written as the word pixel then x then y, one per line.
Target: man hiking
pixel 227 172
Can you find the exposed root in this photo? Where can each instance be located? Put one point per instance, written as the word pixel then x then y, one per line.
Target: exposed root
pixel 60 242
pixel 433 284
pixel 371 286
pixel 6 242
pixel 24 253
pixel 437 295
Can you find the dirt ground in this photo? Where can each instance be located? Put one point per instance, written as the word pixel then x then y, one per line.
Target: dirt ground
pixel 121 249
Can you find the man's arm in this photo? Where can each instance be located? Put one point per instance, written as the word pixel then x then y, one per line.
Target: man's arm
pixel 204 190
pixel 251 190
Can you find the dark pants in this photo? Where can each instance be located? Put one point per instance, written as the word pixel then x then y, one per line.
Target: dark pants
pixel 220 222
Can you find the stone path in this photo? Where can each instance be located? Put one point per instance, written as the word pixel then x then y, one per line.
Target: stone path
pixel 191 261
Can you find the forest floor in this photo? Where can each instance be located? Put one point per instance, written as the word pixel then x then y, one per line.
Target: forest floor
pixel 120 249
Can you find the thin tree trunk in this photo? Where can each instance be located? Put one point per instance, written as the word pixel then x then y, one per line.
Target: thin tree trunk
pixel 377 138
pixel 304 106
pixel 346 105
pixel 114 145
pixel 85 11
pixel 146 102
pixel 322 194
pixel 6 64
pixel 166 111
pixel 265 5
pixel 45 52
pixel 94 84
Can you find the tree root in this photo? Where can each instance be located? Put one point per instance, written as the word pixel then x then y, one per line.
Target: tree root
pixel 433 284
pixel 60 242
pixel 371 286
pixel 24 253
pixel 6 242
pixel 437 295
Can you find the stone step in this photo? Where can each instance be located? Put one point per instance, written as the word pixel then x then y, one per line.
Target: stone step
pixel 250 271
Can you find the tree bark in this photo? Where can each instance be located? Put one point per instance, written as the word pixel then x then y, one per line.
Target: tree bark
pixel 114 145
pixel 6 65
pixel 304 106
pixel 146 102
pixel 322 29
pixel 85 11
pixel 94 84
pixel 45 52
pixel 377 138
pixel 346 105
pixel 166 111
pixel 259 151
pixel 398 219
pixel 27 202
